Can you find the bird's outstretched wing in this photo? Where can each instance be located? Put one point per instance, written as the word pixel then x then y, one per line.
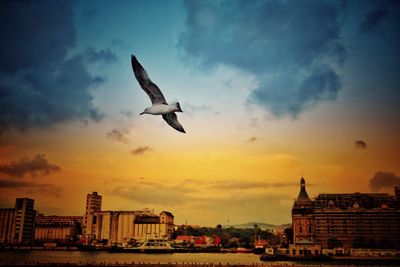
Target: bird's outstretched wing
pixel 147 85
pixel 172 120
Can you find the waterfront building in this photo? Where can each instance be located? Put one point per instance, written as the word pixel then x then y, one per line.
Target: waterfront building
pixel 57 228
pixel 358 220
pixel 24 221
pixel 6 225
pixel 93 205
pixel 303 216
pixel 151 225
pixel 115 226
pixel 166 224
pixel 124 226
pixel 147 225
pixel 303 225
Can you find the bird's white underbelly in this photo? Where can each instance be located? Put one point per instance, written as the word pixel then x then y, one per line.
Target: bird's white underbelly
pixel 160 109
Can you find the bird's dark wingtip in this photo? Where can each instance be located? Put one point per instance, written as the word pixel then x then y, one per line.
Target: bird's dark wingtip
pixel 180 129
pixel 135 63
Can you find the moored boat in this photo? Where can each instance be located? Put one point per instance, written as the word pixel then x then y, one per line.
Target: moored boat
pixel 150 245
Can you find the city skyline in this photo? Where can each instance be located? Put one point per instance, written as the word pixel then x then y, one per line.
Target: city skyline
pixel 270 91
pixel 227 223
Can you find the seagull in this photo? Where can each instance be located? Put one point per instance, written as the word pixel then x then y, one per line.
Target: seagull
pixel 159 104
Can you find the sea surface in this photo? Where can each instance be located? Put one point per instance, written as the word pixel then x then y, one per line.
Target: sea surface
pixel 7 256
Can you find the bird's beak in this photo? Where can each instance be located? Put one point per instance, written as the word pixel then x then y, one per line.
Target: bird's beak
pixel 141 113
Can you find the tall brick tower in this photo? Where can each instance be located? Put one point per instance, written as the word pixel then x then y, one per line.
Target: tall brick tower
pixel 303 216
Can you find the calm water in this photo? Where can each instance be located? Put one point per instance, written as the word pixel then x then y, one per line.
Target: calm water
pixel 77 256
pixel 8 256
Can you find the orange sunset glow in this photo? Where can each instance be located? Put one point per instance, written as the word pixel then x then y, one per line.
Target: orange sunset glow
pixel 323 105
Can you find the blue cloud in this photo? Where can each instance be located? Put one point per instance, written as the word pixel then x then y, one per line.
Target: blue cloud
pixel 34 34
pixel 292 47
pixel 379 12
pixel 373 19
pixel 289 93
pixel 40 83
pixel 103 55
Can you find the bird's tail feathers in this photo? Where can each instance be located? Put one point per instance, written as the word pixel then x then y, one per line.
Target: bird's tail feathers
pixel 178 107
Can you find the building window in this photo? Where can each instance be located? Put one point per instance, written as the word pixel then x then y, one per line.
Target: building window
pixel 300 229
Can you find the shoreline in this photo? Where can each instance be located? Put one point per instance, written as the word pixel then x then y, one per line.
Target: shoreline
pixel 327 261
pixel 364 263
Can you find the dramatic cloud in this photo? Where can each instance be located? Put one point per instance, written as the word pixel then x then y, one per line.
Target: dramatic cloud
pixel 383 180
pixel 119 135
pixel 380 11
pixel 141 150
pixel 37 166
pixel 32 187
pixel 104 55
pixel 291 47
pixel 360 144
pixel 373 19
pixel 40 83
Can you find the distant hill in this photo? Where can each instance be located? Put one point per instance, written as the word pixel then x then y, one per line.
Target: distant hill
pixel 261 225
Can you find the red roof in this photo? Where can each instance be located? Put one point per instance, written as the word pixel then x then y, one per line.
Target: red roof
pixel 200 240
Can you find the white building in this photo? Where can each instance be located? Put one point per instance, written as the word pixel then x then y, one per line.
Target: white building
pixel 123 226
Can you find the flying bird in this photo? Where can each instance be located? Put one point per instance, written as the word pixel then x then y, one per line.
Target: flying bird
pixel 159 104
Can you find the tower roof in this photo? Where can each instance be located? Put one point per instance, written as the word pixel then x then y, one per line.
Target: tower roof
pixel 303 196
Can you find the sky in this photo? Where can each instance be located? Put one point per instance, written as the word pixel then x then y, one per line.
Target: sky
pixel 270 91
